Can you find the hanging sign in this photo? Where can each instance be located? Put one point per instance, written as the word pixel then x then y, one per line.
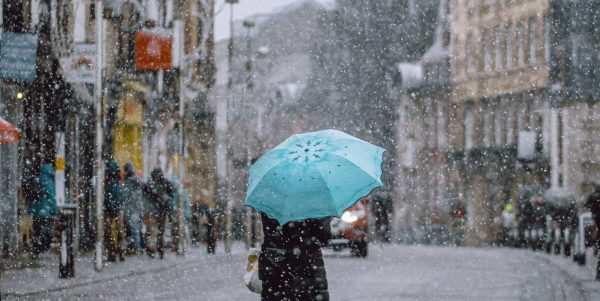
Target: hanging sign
pixel 152 51
pixel 18 56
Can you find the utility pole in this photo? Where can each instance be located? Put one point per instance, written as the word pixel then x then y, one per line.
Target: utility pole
pixel 224 200
pixel 98 264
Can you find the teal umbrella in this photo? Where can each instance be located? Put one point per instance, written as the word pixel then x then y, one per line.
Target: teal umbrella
pixel 314 175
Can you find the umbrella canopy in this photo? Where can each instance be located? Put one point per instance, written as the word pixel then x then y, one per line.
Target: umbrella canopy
pixel 314 175
pixel 8 133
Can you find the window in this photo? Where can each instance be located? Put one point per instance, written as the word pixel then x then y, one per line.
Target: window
pixel 498 133
pixel 532 41
pixel 487 124
pixel 469 123
pixel 487 50
pixel 546 39
pixel 498 48
pixel 486 6
pixel 509 108
pixel 80 21
pixel 470 8
pixel 520 43
pixel 442 115
pixel 508 44
pixel 469 45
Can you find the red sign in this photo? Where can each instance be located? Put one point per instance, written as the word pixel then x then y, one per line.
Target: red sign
pixel 8 133
pixel 152 51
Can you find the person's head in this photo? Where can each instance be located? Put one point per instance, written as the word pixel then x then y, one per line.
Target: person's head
pixel 129 169
pixel 112 169
pixel 156 174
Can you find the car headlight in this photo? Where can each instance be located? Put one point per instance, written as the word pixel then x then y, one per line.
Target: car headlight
pixel 349 217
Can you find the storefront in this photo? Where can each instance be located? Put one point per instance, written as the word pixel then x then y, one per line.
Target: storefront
pixel 9 185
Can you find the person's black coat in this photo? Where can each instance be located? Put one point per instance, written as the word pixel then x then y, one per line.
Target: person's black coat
pixel 593 203
pixel 159 192
pixel 291 264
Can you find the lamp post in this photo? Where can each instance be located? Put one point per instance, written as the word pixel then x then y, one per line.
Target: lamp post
pixel 225 202
pixel 250 213
pixel 181 142
pixel 99 141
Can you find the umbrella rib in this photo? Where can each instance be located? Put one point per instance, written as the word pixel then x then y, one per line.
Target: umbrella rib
pixel 262 178
pixel 338 156
pixel 370 186
pixel 326 185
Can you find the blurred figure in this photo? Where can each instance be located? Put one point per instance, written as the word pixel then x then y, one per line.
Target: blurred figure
pixel 42 209
pixel 211 235
pixel 159 193
pixel 113 212
pixel 508 220
pixel 458 222
pixel 593 203
pixel 199 221
pixel 538 224
pixel 174 214
pixel 383 210
pixel 133 208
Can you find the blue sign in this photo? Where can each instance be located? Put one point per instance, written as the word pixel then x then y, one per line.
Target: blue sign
pixel 18 56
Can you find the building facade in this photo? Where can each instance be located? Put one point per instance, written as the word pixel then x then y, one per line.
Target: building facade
pixel 500 137
pixel 156 53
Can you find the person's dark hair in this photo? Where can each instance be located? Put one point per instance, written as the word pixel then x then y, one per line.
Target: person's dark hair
pixel 156 174
pixel 129 169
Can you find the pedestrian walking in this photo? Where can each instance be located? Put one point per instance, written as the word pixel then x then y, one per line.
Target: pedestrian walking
pixel 508 221
pixel 211 226
pixel 593 203
pixel 298 186
pixel 291 265
pixel 159 193
pixel 113 212
pixel 42 209
pixel 134 208
pixel 199 221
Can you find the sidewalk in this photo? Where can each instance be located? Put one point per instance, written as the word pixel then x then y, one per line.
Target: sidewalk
pixel 41 275
pixel 585 275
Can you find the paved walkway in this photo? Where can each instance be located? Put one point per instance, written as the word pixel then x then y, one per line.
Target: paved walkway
pixel 391 272
pixel 35 277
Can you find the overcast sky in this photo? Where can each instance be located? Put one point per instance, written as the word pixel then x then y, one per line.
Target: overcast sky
pixel 246 8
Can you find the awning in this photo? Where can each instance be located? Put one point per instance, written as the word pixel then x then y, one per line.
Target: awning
pixel 8 133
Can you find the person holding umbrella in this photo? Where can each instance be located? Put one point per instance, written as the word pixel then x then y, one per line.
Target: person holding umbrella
pixel 297 187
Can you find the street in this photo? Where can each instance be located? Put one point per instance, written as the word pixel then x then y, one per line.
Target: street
pixel 390 272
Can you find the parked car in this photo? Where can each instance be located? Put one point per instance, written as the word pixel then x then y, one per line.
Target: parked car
pixel 351 229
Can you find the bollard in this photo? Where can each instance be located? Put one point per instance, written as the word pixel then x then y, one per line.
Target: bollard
pixel 66 221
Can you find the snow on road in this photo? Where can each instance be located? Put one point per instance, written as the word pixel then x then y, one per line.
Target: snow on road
pixel 391 272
